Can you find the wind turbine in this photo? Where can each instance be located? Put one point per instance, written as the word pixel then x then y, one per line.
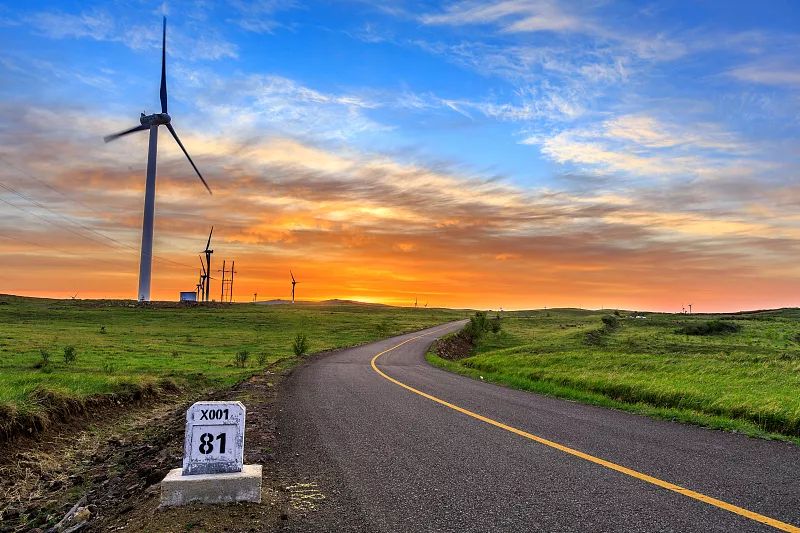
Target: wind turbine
pixel 294 282
pixel 208 253
pixel 201 286
pixel 152 122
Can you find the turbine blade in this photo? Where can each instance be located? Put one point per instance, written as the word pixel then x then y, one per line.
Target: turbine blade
pixel 290 273
pixel 172 131
pixel 202 265
pixel 115 136
pixel 209 237
pixel 164 68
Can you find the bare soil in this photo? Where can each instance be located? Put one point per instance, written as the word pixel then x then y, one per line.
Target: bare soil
pixel 109 470
pixel 453 347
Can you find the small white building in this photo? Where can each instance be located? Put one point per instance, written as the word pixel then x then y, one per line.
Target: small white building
pixel 188 296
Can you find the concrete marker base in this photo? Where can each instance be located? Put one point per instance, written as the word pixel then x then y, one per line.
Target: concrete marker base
pixel 244 486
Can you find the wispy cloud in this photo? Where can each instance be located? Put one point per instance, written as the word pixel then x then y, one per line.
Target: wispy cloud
pixel 96 25
pixel 99 25
pixel 645 147
pixel 277 105
pixel 512 15
pixel 259 16
pixel 778 73
pixel 340 210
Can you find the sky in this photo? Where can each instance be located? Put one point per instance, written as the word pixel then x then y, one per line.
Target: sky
pixel 507 154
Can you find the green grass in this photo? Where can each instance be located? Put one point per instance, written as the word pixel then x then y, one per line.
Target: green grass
pixel 747 380
pixel 120 346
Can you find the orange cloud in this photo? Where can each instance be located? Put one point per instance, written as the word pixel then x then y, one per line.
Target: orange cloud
pixel 362 226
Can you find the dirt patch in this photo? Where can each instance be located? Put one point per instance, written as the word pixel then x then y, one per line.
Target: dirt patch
pixel 454 347
pixel 57 410
pixel 109 474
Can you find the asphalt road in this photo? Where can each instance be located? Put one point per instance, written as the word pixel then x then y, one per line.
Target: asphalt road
pixel 388 459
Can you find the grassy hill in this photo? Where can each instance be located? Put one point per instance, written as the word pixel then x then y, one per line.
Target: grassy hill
pixel 738 371
pixel 123 351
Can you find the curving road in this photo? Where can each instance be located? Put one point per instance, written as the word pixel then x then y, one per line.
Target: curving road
pixel 465 457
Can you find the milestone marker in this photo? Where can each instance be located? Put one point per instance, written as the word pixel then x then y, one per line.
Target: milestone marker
pixel 214 441
pixel 213 459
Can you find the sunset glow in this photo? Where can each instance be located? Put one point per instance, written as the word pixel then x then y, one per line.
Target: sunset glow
pixel 514 154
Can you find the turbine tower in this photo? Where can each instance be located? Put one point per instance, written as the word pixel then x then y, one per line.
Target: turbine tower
pixel 201 284
pixel 152 122
pixel 208 253
pixel 294 282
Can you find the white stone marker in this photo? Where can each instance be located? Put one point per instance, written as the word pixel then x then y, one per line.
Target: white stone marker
pixel 213 456
pixel 214 442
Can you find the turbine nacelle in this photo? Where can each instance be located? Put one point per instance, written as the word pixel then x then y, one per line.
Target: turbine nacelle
pixel 156 119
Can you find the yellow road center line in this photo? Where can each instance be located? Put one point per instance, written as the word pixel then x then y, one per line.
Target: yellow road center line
pixel 783 526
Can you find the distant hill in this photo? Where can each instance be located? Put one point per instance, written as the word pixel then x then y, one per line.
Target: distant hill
pixel 334 301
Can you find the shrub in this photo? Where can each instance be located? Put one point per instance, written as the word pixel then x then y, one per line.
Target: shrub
pixel 496 324
pixel 711 327
pixel 477 327
pixel 262 359
pixel 610 322
pixel 241 358
pixel 595 337
pixel 300 344
pixel 383 328
pixel 45 357
pixel 108 367
pixel 70 354
pixel 102 330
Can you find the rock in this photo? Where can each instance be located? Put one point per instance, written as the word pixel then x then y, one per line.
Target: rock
pixel 82 514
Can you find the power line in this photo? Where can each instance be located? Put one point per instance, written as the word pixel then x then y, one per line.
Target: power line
pixel 51 249
pixel 72 221
pixel 66 195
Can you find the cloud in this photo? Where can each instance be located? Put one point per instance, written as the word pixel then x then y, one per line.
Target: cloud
pixel 513 16
pixel 643 146
pixel 259 16
pixel 367 225
pixel 259 103
pixel 772 73
pixel 96 25
pixel 101 26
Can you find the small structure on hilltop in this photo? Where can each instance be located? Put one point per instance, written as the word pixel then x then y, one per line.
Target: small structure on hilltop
pixel 188 296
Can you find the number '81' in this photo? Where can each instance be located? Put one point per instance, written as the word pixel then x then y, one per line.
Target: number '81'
pixel 207 443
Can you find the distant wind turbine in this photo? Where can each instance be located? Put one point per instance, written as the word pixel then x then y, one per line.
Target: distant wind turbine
pixel 294 282
pixel 208 253
pixel 201 285
pixel 152 122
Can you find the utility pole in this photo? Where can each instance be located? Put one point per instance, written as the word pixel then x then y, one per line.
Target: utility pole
pixel 222 288
pixel 230 292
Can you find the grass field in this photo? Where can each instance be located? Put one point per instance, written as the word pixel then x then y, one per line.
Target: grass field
pixel 746 380
pixel 120 347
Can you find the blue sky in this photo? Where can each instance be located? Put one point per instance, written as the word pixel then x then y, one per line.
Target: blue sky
pixel 675 114
pixel 464 83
